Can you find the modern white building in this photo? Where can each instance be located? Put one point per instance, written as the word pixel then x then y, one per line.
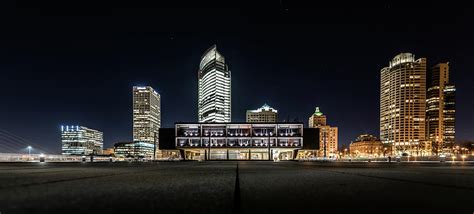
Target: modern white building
pixel 240 141
pixel 402 105
pixel 146 114
pixel 214 96
pixel 80 140
pixel 264 114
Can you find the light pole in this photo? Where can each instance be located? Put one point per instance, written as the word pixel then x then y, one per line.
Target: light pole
pixel 268 143
pixel 29 150
pixel 154 146
pixel 324 144
pixel 209 148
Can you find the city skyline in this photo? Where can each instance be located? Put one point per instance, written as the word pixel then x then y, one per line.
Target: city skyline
pixel 237 107
pixel 167 59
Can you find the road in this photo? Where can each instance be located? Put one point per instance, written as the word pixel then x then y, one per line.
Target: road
pixel 236 187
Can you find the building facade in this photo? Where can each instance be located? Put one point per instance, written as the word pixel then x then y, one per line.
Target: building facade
pixel 239 141
pixel 317 119
pixel 402 105
pixel 440 109
pixel 328 139
pixel 80 140
pixel 146 114
pixel 138 150
pixel 108 151
pixel 367 146
pixel 214 88
pixel 264 114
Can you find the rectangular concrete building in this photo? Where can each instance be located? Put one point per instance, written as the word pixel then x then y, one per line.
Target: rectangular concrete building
pixel 239 141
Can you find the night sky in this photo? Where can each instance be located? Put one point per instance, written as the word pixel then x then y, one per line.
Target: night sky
pixel 77 64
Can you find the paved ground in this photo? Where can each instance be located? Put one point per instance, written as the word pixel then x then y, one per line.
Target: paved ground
pixel 218 187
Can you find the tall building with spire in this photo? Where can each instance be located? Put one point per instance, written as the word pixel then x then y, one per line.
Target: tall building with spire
pixel 402 105
pixel 440 109
pixel 214 88
pixel 317 119
pixel 328 135
pixel 264 114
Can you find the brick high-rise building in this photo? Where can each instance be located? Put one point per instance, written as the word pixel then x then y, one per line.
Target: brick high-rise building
pixel 328 135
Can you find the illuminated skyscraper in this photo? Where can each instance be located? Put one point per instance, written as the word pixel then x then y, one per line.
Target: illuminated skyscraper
pixel 440 109
pixel 264 114
pixel 214 103
pixel 317 119
pixel 402 105
pixel 146 114
pixel 80 140
pixel 328 135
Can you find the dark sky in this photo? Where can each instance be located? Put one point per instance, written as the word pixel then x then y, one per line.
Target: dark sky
pixel 76 64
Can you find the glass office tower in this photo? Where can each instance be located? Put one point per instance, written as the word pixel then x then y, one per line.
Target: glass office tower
pixel 440 109
pixel 80 140
pixel 214 96
pixel 146 114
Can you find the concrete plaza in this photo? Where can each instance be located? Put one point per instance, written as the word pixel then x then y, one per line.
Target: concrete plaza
pixel 236 187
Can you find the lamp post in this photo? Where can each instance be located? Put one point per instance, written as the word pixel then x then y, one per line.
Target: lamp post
pixel 324 144
pixel 154 146
pixel 29 150
pixel 268 144
pixel 209 148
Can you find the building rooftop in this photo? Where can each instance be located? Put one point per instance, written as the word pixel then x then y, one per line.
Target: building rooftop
pixel 402 58
pixel 317 112
pixel 265 107
pixel 366 137
pixel 209 55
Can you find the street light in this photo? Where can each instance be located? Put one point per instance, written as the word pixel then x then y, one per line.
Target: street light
pixel 29 150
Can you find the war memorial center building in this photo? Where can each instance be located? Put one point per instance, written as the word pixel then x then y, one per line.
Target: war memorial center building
pixel 239 141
